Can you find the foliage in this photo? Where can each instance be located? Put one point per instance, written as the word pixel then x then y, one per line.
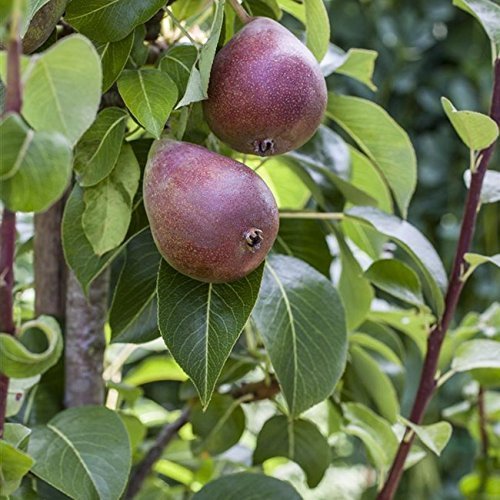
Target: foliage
pixel 325 331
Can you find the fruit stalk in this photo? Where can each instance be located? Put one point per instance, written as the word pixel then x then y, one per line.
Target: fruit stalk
pixel 240 11
pixel 436 337
pixel 13 100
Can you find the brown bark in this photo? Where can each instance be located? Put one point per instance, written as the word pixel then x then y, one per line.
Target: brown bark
pixel 50 267
pixel 85 342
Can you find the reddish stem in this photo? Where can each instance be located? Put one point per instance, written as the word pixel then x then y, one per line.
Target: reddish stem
pixel 8 228
pixel 428 381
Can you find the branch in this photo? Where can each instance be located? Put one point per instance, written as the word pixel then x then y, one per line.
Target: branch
pixel 13 101
pixel 428 381
pixel 163 439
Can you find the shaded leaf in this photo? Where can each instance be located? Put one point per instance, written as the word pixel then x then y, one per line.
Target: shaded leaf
pixel 297 440
pixel 178 62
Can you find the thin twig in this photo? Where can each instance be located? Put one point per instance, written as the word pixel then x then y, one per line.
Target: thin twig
pixel 144 468
pixel 240 11
pixel 428 380
pixel 13 101
pixel 183 30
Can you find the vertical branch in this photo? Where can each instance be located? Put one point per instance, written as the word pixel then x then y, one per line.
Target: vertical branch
pixel 13 102
pixel 50 267
pixel 85 342
pixel 428 382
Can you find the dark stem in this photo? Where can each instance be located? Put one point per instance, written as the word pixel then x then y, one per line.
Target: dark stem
pixel 85 341
pixel 240 11
pixel 163 439
pixel 482 422
pixel 428 381
pixel 13 100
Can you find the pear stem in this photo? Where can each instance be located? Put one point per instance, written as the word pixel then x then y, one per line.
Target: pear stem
pixel 240 11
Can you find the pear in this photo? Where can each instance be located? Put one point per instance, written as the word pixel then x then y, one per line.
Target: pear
pixel 212 218
pixel 267 94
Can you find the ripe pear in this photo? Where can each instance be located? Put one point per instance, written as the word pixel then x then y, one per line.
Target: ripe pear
pixel 267 94
pixel 212 218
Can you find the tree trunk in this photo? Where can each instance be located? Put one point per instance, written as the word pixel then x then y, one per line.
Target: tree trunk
pixel 85 342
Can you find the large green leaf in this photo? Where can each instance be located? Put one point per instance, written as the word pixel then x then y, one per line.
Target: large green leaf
pixel 220 426
pixel 38 171
pixel 108 205
pixel 375 432
pixel 476 130
pixel 83 452
pixel 14 466
pixel 197 85
pixel 133 315
pixel 488 14
pixel 297 440
pixel 114 56
pixel 376 382
pixel 110 20
pixel 382 140
pixel 54 99
pixel 307 349
pixel 150 95
pixel 98 149
pixel 478 353
pixel 397 279
pixel 178 62
pixel 306 240
pixel 200 322
pixel 78 251
pixel 16 358
pixel 317 28
pixel 415 244
pixel 247 486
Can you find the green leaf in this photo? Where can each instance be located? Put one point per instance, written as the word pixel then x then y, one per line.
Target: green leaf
pixel 317 28
pixel 219 427
pixel 376 383
pixel 306 240
pixel 18 389
pixel 18 361
pixel 16 434
pixel 307 349
pixel 294 8
pixel 150 95
pixel 133 314
pixel 78 251
pixel 113 56
pixel 197 85
pixel 93 445
pixel 42 168
pixel 200 322
pixel 434 436
pixel 397 279
pixel 54 99
pixel 14 466
pixel 374 130
pixel 356 292
pixel 475 260
pixel 490 190
pixel 297 440
pixel 178 62
pixel 154 369
pixel 355 63
pixel 98 149
pixel 416 246
pixel 108 205
pixel 476 130
pixel 375 432
pixel 479 353
pixel 488 14
pixel 247 486
pixel 375 345
pixel 15 138
pixel 110 20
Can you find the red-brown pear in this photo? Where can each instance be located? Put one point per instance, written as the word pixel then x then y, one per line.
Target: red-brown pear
pixel 212 218
pixel 267 94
